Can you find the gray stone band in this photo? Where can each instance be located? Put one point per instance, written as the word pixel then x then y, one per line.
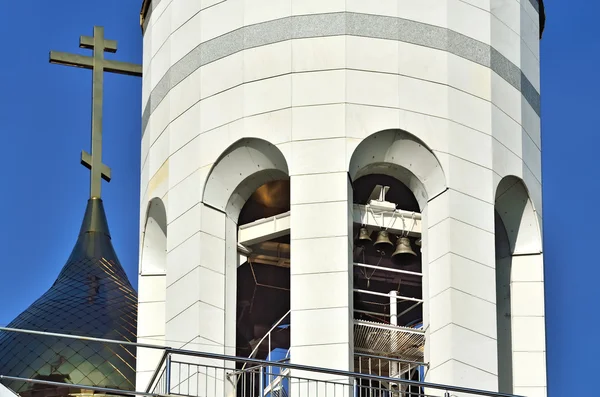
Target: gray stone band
pixel 337 24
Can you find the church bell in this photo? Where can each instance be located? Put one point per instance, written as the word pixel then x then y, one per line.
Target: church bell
pixel 383 237
pixel 364 235
pixel 403 247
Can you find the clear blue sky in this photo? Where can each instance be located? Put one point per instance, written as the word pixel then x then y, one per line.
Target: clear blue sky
pixel 45 123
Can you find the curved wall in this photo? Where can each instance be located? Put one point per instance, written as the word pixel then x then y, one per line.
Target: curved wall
pixel 315 78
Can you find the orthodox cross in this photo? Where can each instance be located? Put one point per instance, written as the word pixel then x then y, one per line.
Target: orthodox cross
pixel 98 65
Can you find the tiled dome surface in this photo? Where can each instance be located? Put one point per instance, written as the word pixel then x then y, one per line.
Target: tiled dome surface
pixel 92 297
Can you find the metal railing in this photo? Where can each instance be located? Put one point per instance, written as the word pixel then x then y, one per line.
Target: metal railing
pixel 200 374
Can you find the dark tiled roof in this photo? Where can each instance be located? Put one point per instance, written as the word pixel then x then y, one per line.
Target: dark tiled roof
pixel 92 296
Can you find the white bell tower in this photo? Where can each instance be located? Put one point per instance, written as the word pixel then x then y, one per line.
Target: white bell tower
pixel 340 181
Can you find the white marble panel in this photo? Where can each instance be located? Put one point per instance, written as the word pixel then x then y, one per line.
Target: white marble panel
pixel 184 98
pixel 530 65
pixel 462 207
pixel 370 88
pixel 183 258
pixel 306 156
pixel 508 12
pixel 370 54
pixel 467 311
pixel 423 97
pixel 151 289
pixel 160 26
pixel 427 11
pixel 469 144
pixel 506 41
pixel 304 7
pixel 532 156
pixel 380 7
pixel 222 18
pixel 223 108
pixel 161 62
pixel 334 355
pixel 530 298
pixel 213 222
pixel 506 97
pixel 211 287
pixel 422 62
pixel 468 20
pixel 331 251
pixel 529 369
pixel 212 253
pixel 320 326
pixel 530 391
pixel 256 11
pixel 318 88
pixel 267 95
pixel 318 122
pixel 186 37
pixel 333 290
pixel 507 131
pixel 310 221
pixel 318 53
pixel 182 228
pixel 458 373
pixel 159 152
pixel 151 318
pixel 221 75
pixel 182 11
pixel 274 127
pixel 457 343
pixel 159 120
pixel 318 188
pixel 527 268
pixel 364 120
pixel 268 60
pixel 469 110
pixel 530 30
pixel 469 76
pixel 528 334
pixel 468 178
pixel 453 271
pixel 506 162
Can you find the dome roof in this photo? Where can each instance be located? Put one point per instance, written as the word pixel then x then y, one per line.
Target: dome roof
pixel 92 296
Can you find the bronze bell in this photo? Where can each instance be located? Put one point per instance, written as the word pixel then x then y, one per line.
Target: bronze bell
pixel 383 237
pixel 403 247
pixel 418 242
pixel 364 235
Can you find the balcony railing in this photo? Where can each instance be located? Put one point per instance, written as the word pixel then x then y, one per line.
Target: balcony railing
pixel 199 374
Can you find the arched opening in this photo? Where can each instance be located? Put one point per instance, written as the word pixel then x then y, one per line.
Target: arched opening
pixel 519 280
pixel 154 246
pixel 250 185
pixel 394 175
pixel 263 277
pixel 152 290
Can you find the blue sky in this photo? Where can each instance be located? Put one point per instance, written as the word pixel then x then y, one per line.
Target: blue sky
pixel 45 123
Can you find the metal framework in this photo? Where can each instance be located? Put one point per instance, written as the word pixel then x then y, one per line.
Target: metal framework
pixel 164 371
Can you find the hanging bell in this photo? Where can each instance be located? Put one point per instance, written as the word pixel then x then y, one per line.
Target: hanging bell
pixel 403 247
pixel 364 235
pixel 418 243
pixel 383 237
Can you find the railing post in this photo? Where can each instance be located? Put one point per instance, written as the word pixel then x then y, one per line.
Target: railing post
pixel 261 384
pixel 168 374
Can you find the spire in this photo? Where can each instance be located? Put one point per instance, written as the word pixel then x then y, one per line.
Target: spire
pixel 94 219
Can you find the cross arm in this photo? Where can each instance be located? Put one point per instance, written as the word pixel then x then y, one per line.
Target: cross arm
pixel 88 42
pixel 64 58
pixel 130 69
pixel 86 161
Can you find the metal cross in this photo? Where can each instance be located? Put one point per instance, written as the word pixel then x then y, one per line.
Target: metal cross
pixel 98 65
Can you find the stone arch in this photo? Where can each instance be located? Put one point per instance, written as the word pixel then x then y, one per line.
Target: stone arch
pixel 519 279
pixel 239 171
pixel 154 239
pixel 403 156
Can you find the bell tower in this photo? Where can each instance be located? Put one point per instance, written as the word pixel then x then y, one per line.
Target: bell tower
pixel 348 184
